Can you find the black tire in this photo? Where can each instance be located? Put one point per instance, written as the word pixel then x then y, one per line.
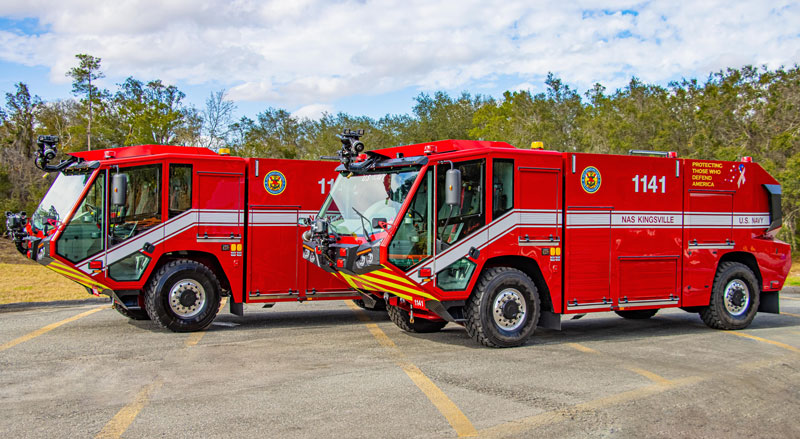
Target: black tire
pixel 637 314
pixel 402 319
pixel 133 314
pixel 743 295
pixel 380 305
pixel 200 307
pixel 481 323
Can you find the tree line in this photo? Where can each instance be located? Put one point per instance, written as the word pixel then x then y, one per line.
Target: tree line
pixel 748 111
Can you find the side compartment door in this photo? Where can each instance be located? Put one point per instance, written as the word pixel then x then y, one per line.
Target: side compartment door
pixel 220 217
pixel 539 235
pixel 646 232
pixel 272 243
pixel 588 204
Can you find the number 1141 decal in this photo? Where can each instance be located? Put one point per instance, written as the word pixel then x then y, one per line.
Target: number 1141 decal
pixel 650 183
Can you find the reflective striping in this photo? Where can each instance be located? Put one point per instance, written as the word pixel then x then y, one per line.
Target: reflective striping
pixel 693 220
pixel 392 287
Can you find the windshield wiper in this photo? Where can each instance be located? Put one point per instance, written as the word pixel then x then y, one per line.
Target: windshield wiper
pixel 366 235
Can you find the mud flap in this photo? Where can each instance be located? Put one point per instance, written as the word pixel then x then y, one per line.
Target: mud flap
pixel 550 320
pixel 237 308
pixel 769 302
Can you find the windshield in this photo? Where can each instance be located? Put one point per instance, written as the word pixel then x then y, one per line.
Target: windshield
pixel 355 201
pixel 60 198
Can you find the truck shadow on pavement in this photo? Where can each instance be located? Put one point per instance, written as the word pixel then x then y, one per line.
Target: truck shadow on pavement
pixel 609 328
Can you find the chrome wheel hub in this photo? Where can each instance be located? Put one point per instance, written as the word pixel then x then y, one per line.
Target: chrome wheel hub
pixel 736 297
pixel 509 309
pixel 187 298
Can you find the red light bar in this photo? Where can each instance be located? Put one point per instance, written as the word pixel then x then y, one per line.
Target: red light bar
pixel 430 149
pixel 672 155
pixel 747 159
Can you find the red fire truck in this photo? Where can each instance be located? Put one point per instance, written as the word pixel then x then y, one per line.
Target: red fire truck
pixel 501 239
pixel 167 230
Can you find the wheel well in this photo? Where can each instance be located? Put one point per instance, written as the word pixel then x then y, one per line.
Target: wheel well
pixel 746 259
pixel 207 259
pixel 529 267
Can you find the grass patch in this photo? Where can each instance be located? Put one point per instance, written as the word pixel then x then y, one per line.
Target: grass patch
pixel 35 283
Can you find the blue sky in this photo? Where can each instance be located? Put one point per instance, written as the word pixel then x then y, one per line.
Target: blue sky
pixel 373 57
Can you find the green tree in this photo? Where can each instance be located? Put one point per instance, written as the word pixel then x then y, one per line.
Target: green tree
pixel 88 70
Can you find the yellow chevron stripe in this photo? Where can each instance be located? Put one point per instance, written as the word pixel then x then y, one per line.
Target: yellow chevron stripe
pixel 63 266
pixel 69 276
pixel 393 276
pixel 374 287
pixel 388 284
pixel 66 271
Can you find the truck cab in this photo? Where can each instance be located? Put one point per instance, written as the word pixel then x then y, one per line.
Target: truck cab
pixel 167 231
pixel 501 239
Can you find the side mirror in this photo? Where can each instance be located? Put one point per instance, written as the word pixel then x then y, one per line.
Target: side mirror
pixel 303 222
pixel 379 223
pixel 119 189
pixel 452 187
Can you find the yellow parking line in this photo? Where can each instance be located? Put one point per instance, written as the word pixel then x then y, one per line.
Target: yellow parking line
pixel 789 314
pixel 124 418
pixel 194 338
pixel 582 348
pixel 790 298
pixel 516 428
pixel 764 340
pixel 48 328
pixel 454 416
pixel 649 375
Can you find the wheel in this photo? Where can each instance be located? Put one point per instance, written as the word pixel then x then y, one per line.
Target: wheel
pixel 183 296
pixel 402 319
pixel 380 305
pixel 637 314
pixel 504 308
pixel 133 314
pixel 734 297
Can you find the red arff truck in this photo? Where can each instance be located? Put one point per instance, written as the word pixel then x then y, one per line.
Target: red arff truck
pixel 501 239
pixel 167 230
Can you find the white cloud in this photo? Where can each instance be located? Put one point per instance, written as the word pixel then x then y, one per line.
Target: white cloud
pixel 303 53
pixel 313 111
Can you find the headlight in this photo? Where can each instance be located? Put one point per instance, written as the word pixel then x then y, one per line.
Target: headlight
pixel 370 258
pixel 306 254
pixel 361 262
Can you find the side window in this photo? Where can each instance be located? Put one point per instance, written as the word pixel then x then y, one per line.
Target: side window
pixel 413 241
pixel 502 187
pixel 454 223
pixel 180 189
pixel 142 208
pixel 83 235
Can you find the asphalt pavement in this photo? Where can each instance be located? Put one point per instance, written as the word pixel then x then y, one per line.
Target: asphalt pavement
pixel 328 369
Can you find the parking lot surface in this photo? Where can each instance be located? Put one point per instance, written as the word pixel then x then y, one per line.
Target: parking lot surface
pixel 333 370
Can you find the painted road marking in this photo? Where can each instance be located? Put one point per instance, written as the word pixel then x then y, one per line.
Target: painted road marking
pixel 790 298
pixel 195 337
pixel 518 427
pixel 48 328
pixel 454 416
pixel 124 418
pixel 789 314
pixel 764 340
pixel 582 348
pixel 515 428
pixel 658 379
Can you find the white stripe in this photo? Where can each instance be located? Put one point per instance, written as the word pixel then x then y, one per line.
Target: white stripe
pixel 588 219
